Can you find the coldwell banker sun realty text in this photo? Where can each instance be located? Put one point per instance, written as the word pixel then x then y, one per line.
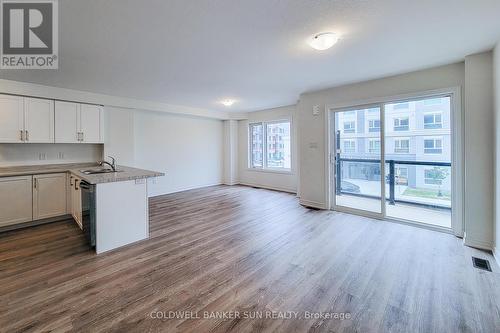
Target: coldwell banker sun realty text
pixel 29 34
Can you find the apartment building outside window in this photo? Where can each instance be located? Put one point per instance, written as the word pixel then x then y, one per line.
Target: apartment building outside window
pixel 433 146
pixel 349 126
pixel 401 124
pixel 374 146
pixel 349 146
pixel 270 145
pixel 433 120
pixel 374 125
pixel 402 146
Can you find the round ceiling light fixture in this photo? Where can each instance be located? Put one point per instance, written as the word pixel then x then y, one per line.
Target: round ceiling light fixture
pixel 227 102
pixel 323 41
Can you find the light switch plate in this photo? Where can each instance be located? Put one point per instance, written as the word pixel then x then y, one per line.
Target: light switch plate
pixel 315 110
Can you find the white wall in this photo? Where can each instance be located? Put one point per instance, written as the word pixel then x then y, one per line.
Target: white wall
pixel 188 150
pixel 119 135
pixel 230 152
pixel 312 130
pixel 496 73
pixel 479 157
pixel 278 181
pixel 12 154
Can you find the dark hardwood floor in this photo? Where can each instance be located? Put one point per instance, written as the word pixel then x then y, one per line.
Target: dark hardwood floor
pixel 253 251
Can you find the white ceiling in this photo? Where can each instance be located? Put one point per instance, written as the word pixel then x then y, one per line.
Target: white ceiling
pixel 195 53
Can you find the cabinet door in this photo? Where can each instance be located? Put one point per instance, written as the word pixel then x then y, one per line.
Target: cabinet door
pixel 49 195
pixel 91 123
pixel 67 122
pixel 11 118
pixel 39 120
pixel 76 204
pixel 15 200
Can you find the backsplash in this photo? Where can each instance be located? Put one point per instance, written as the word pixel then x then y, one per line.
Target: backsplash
pixel 14 154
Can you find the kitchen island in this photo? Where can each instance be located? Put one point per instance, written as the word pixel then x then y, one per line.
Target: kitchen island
pixel 114 209
pixel 110 207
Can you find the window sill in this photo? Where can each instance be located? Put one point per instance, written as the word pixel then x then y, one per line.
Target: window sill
pixel 284 172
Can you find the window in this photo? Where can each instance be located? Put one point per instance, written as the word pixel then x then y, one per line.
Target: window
pixel 275 152
pixel 349 126
pixel 433 146
pixel 401 175
pixel 374 125
pixel 401 106
pixel 401 124
pixel 402 146
pixel 349 146
pixel 433 177
pixel 374 146
pixel 433 120
pixel 256 143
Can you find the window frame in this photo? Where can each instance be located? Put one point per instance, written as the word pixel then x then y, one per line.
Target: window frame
pixel 264 167
pixel 407 151
pixel 434 139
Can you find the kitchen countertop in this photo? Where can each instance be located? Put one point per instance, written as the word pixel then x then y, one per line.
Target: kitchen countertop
pixel 42 169
pixel 126 173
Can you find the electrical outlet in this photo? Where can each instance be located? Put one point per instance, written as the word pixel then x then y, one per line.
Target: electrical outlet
pixel 42 156
pixel 60 155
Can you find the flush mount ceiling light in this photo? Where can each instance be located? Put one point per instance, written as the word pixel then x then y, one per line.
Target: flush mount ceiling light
pixel 227 102
pixel 323 41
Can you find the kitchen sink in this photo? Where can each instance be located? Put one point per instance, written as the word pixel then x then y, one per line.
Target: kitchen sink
pixel 98 171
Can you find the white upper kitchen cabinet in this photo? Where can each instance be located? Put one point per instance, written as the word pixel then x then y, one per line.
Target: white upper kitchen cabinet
pixel 11 119
pixel 38 120
pixel 67 122
pixel 26 119
pixel 78 123
pixel 91 123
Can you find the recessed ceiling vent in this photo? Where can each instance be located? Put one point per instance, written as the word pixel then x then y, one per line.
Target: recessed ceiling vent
pixel 481 264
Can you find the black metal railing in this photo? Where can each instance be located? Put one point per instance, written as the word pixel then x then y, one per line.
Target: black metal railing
pixel 391 178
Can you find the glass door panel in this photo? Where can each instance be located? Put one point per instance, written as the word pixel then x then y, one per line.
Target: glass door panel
pixel 357 163
pixel 418 161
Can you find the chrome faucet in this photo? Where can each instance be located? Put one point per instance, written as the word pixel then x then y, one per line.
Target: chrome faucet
pixel 112 164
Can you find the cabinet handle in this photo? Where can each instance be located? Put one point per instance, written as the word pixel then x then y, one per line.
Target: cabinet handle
pixel 82 136
pixel 35 183
pixel 27 135
pixel 21 132
pixel 76 185
pixel 70 180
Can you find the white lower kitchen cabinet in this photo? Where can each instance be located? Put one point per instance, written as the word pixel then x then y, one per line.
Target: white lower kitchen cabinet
pixel 49 195
pixel 15 200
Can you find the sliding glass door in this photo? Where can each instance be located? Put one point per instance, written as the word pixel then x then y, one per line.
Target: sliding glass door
pixel 394 160
pixel 357 156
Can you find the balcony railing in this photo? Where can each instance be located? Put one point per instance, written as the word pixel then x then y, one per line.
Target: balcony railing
pixel 390 179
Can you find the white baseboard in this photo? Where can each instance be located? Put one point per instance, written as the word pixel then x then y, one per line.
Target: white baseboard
pixel 314 204
pixel 482 245
pixel 184 189
pixel 274 188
